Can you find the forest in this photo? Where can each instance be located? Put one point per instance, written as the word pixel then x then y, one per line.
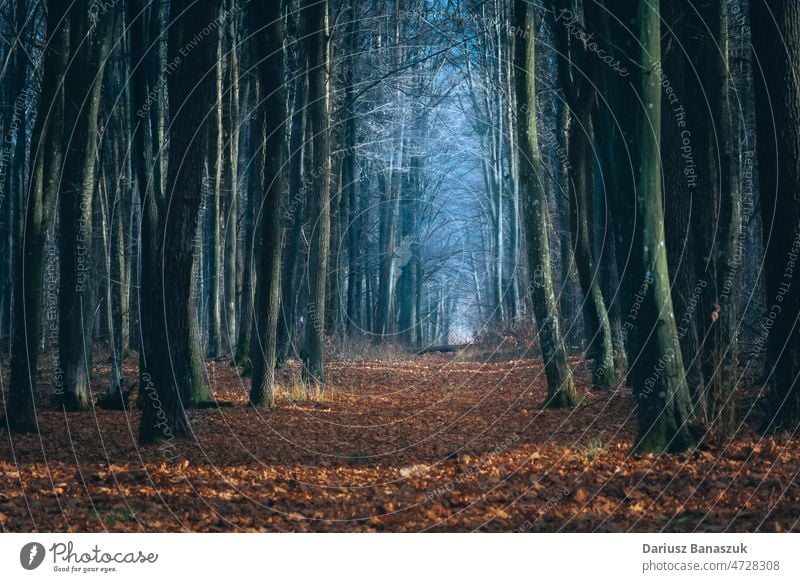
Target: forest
pixel 400 265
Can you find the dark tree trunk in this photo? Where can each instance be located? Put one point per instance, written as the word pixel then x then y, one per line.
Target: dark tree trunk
pixel 718 224
pixel 82 89
pixel 776 53
pixel 598 327
pixel 272 118
pixel 114 210
pixel 681 205
pixel 47 153
pixel 316 14
pixel 349 180
pixel 295 209
pixel 254 134
pixel 14 97
pixel 146 26
pixel 566 296
pixel 611 117
pixel 173 371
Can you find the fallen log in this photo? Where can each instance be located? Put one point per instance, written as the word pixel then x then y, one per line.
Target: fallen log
pixel 445 349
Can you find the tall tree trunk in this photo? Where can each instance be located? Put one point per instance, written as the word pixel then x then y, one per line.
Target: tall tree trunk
pixel 146 26
pixel 232 185
pixel 514 242
pixel 391 197
pixel 580 96
pixel 560 386
pixel 566 297
pixel 300 143
pixel 598 326
pixel 171 381
pixel 349 180
pixel 47 153
pixel 254 136
pixel 90 44
pixel 334 284
pixel 218 169
pixel 117 206
pixel 112 201
pixel 272 115
pixel 316 14
pixel 613 115
pixel 660 386
pixel 776 52
pixel 115 397
pixel 718 224
pixel 682 206
pixel 14 95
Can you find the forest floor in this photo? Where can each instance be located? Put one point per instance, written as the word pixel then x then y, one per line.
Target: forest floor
pixel 422 444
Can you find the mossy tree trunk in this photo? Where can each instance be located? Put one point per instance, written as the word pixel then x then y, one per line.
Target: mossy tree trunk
pixel 580 97
pixel 660 383
pixel 614 94
pixel 561 389
pixel 598 326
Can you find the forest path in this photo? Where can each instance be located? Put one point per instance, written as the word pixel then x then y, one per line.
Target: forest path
pixel 407 445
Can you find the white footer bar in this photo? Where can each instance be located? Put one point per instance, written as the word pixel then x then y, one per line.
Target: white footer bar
pixel 379 557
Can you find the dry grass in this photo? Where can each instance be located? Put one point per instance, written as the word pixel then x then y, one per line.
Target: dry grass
pixel 291 388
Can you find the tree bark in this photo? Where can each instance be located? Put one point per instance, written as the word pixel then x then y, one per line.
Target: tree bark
pixel 232 186
pixel 579 91
pixel 90 45
pixel 776 53
pixel 254 133
pixel 682 206
pixel 272 115
pixel 146 26
pixel 171 379
pixel 218 169
pixel 660 386
pixel 300 144
pixel 47 153
pixel 349 181
pixel 560 386
pixel 316 13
